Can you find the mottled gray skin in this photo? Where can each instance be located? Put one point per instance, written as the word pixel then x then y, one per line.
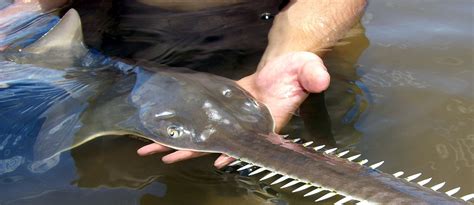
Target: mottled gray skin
pixel 187 110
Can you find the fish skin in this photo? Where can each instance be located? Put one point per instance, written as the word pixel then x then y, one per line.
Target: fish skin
pixel 184 110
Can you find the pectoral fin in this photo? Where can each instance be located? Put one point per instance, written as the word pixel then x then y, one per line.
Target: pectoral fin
pixel 44 109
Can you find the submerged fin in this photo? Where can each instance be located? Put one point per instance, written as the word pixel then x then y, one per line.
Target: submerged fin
pixel 103 110
pixel 67 34
pixel 43 109
pixel 64 107
pixel 22 104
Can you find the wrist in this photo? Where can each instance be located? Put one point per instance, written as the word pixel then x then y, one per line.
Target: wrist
pixel 312 26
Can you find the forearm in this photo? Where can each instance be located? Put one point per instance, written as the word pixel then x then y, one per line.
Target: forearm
pixel 310 25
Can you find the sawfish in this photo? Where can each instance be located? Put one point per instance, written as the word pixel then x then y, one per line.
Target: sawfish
pixel 86 95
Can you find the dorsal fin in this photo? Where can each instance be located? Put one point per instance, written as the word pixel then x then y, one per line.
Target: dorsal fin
pixel 66 35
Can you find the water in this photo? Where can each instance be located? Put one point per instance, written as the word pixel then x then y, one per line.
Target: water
pixel 401 92
pixel 416 77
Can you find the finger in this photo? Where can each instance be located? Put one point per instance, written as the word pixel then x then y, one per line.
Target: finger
pixel 222 161
pixel 313 76
pixel 152 149
pixel 181 155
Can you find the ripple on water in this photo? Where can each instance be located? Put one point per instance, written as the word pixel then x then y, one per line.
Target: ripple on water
pixel 11 164
pixel 450 61
pixel 44 165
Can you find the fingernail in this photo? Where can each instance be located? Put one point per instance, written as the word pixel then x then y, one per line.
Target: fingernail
pixel 166 160
pixel 144 153
pixel 140 152
pixel 219 165
pixel 220 162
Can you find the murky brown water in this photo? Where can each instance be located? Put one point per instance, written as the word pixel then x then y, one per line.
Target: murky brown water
pixel 401 92
pixel 415 82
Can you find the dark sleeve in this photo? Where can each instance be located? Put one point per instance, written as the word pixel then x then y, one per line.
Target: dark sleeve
pixel 283 4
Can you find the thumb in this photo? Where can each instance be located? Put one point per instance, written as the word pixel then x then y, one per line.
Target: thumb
pixel 313 75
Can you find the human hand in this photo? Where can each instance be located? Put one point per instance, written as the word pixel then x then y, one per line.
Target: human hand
pixel 282 84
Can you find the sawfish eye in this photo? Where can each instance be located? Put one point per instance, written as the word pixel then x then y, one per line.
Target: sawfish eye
pixel 227 92
pixel 174 131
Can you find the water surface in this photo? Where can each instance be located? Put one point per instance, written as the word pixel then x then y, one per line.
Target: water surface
pixel 401 92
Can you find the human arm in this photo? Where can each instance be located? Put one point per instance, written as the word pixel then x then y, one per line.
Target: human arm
pixel 309 25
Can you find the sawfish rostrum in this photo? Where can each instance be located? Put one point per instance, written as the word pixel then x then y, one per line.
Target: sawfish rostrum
pixel 93 95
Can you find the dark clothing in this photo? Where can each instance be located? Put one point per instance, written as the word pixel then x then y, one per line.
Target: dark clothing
pixel 227 40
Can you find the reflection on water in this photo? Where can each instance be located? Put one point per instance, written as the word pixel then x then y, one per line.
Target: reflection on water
pixel 417 76
pixel 401 92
